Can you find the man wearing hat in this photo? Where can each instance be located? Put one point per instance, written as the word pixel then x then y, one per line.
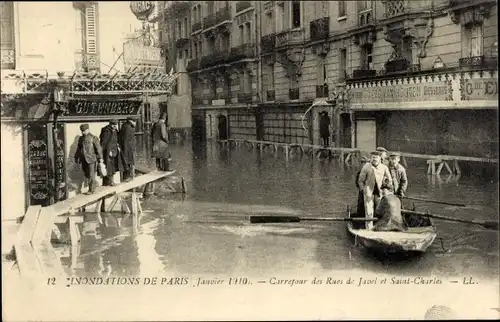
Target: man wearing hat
pixel 88 153
pixel 110 150
pixel 398 174
pixel 361 203
pixel 383 155
pixel 373 178
pixel 126 140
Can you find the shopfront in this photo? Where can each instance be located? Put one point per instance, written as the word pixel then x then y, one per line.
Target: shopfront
pixel 453 114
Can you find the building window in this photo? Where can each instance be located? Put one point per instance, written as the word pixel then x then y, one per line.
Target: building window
pixel 185 27
pixel 473 41
pixel 200 49
pixel 186 55
pixel 195 14
pixel 296 14
pixel 195 49
pixel 210 7
pixel 249 32
pixel 343 63
pixel 341 8
pixel 324 8
pixel 367 57
pixel 321 70
pixel 179 30
pixel 242 34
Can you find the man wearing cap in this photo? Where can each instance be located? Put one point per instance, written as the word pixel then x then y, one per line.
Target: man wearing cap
pixel 373 178
pixel 383 155
pixel 88 153
pixel 110 149
pixel 398 174
pixel 126 140
pixel 361 203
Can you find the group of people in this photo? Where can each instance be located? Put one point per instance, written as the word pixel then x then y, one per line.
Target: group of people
pixel 114 150
pixel 379 176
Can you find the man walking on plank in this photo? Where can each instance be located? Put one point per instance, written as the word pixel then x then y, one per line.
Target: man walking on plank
pixel 88 153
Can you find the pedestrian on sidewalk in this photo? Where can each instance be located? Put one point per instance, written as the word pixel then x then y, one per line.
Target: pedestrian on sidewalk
pixel 88 153
pixel 159 138
pixel 126 140
pixel 110 150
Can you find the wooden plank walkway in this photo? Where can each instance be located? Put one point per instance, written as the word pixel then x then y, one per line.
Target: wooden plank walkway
pixel 349 155
pixel 35 255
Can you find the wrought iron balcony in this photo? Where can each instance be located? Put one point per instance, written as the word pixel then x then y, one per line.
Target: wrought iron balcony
pixel 362 73
pixel 481 62
pixel 222 15
pixel 196 26
pixel 209 21
pixel 244 97
pixel 268 43
pixel 242 52
pixel 397 65
pixel 270 95
pixel 181 42
pixel 290 37
pixel 214 59
pixel 293 94
pixel 193 65
pixel 320 28
pixel 394 8
pixel 242 5
pixel 322 90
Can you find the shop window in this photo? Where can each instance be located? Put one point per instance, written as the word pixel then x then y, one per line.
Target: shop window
pixel 296 22
pixel 342 11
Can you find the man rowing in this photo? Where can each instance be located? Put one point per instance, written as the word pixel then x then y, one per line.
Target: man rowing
pixel 398 174
pixel 374 177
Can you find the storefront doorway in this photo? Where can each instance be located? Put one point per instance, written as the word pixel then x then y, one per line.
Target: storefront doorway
pixel 366 134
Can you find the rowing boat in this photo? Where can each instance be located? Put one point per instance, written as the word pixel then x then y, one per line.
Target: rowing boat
pixel 419 236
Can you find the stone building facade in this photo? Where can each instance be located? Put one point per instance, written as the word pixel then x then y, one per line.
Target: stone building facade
pixel 382 70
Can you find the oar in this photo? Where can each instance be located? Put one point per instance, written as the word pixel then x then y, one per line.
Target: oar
pixel 436 201
pixel 489 224
pixel 280 219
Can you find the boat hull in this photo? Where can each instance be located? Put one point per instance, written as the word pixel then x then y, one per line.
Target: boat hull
pixel 415 239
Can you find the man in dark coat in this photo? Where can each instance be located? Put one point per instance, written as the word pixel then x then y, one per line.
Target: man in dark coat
pixel 324 128
pixel 88 153
pixel 126 140
pixel 110 150
pixel 361 203
pixel 159 138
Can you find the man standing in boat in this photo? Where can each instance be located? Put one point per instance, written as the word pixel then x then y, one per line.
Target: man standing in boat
pixel 374 177
pixel 398 174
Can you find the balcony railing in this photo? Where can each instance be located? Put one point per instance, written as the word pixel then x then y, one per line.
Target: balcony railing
pixel 193 65
pixel 242 5
pixel 268 43
pixel 242 52
pixel 394 8
pixel 209 21
pixel 196 26
pixel 9 58
pixel 322 90
pixel 216 58
pixel 181 42
pixel 290 37
pixel 293 94
pixel 244 97
pixel 270 95
pixel 320 28
pixel 479 62
pixel 222 15
pixel 362 73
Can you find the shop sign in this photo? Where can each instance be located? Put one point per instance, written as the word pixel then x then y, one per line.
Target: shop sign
pixel 479 89
pixel 141 9
pixel 60 164
pixel 38 168
pixel 401 93
pixel 135 53
pixel 103 107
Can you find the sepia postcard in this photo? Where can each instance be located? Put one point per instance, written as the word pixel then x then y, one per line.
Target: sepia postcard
pixel 249 160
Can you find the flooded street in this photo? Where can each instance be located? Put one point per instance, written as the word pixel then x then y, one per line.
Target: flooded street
pixel 208 232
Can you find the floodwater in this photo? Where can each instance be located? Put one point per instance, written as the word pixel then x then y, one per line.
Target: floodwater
pixel 207 232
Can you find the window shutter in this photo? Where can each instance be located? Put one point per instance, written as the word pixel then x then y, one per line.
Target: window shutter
pixel 91 36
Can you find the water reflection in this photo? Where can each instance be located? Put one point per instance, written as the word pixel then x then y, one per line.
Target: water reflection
pixel 209 231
